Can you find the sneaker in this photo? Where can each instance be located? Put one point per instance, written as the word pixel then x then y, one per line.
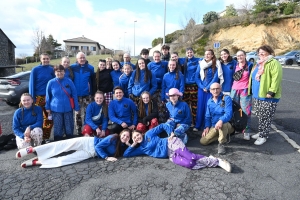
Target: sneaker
pixel 246 136
pixel 255 136
pixel 260 141
pixel 221 149
pixel 192 125
pixel 24 152
pixel 195 129
pixel 224 165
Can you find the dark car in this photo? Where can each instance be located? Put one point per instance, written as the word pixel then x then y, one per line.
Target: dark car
pixel 289 58
pixel 13 86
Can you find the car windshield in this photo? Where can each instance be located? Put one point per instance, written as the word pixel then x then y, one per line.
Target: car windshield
pixel 250 53
pixel 16 75
pixel 291 53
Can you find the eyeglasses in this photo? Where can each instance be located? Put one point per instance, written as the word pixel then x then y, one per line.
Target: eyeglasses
pixel 215 88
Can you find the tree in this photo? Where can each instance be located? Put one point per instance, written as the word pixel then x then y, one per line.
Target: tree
pixel 55 45
pixel 157 41
pixel 37 40
pixel 230 11
pixel 210 17
pixel 191 30
pixel 266 6
pixel 246 6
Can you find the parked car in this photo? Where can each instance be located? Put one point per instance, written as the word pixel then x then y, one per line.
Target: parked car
pixel 289 58
pixel 251 56
pixel 298 60
pixel 13 86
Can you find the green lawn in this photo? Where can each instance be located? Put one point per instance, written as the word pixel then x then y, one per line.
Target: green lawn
pixel 93 60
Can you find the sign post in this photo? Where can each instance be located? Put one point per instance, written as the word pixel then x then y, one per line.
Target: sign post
pixel 217 46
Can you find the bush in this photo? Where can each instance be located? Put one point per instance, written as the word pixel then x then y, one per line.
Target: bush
pixel 289 9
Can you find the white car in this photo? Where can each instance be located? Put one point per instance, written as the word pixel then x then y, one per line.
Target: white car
pixel 251 56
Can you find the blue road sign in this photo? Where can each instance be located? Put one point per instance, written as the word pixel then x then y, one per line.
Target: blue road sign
pixel 217 45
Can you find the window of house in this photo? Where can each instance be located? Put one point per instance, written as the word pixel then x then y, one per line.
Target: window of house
pixel 93 48
pixel 84 48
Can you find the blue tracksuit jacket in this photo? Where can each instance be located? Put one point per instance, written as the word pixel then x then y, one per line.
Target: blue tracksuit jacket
pixel 123 81
pixel 211 77
pixel 152 145
pixel 92 110
pixel 136 88
pixel 83 78
pixel 222 110
pixel 56 99
pixel 169 82
pixel 180 113
pixel 39 77
pixel 115 75
pixel 22 121
pixel 158 69
pixel 121 111
pixel 189 72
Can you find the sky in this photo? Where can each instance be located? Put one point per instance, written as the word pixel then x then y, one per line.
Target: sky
pixel 111 23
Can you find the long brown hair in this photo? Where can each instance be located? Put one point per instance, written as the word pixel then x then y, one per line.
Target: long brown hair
pixel 214 62
pixel 104 106
pixel 22 107
pixel 177 69
pixel 148 73
pixel 119 150
pixel 69 68
pixel 141 106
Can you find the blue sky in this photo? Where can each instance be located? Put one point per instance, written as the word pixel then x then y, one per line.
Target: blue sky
pixel 103 21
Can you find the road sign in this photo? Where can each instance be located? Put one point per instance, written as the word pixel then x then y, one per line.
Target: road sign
pixel 217 45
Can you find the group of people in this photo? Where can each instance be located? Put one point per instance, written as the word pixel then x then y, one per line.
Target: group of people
pixel 142 100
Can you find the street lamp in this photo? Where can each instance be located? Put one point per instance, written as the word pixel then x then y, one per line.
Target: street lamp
pixel 124 41
pixel 164 40
pixel 134 37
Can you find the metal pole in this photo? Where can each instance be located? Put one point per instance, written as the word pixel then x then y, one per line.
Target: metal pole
pixel 124 41
pixel 119 43
pixel 134 37
pixel 164 40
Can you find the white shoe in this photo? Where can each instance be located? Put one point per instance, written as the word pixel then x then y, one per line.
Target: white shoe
pixel 195 129
pixel 255 136
pixel 225 165
pixel 260 141
pixel 246 136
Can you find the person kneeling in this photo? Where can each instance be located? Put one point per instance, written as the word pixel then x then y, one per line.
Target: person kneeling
pixel 218 114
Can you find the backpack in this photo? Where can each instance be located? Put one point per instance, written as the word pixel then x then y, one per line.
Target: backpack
pixel 239 118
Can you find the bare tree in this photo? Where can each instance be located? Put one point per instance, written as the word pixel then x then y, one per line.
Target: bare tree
pixel 191 28
pixel 37 39
pixel 245 6
pixel 23 55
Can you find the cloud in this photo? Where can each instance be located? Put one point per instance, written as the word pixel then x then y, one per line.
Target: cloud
pixel 106 27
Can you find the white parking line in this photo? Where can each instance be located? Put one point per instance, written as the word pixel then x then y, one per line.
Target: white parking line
pixel 292 142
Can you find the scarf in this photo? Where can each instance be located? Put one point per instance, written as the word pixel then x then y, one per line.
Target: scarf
pixel 261 67
pixel 204 65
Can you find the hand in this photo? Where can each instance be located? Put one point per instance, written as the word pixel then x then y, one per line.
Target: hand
pixel 219 125
pixel 134 144
pixel 127 143
pixel 27 139
pixel 27 132
pixel 205 90
pixel 98 132
pixel 124 125
pixel 131 127
pixel 111 159
pixel 205 131
pixel 148 123
pixel 76 112
pixel 171 136
pixel 177 125
pixel 49 112
pixel 268 96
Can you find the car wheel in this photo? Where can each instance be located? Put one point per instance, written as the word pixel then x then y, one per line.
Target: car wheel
pixel 11 104
pixel 251 60
pixel 289 62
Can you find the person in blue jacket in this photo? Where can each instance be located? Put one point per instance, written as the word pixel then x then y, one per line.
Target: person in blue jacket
pixel 58 93
pixel 39 77
pixel 84 76
pixel 108 148
pixel 127 58
pixel 124 79
pixel 27 123
pixel 122 112
pixel 96 118
pixel 189 66
pixel 141 80
pixel 217 117
pixel 208 72
pixel 180 114
pixel 116 73
pixel 150 144
pixel 228 67
pixel 173 79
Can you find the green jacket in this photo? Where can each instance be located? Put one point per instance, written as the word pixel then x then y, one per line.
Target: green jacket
pixel 270 80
